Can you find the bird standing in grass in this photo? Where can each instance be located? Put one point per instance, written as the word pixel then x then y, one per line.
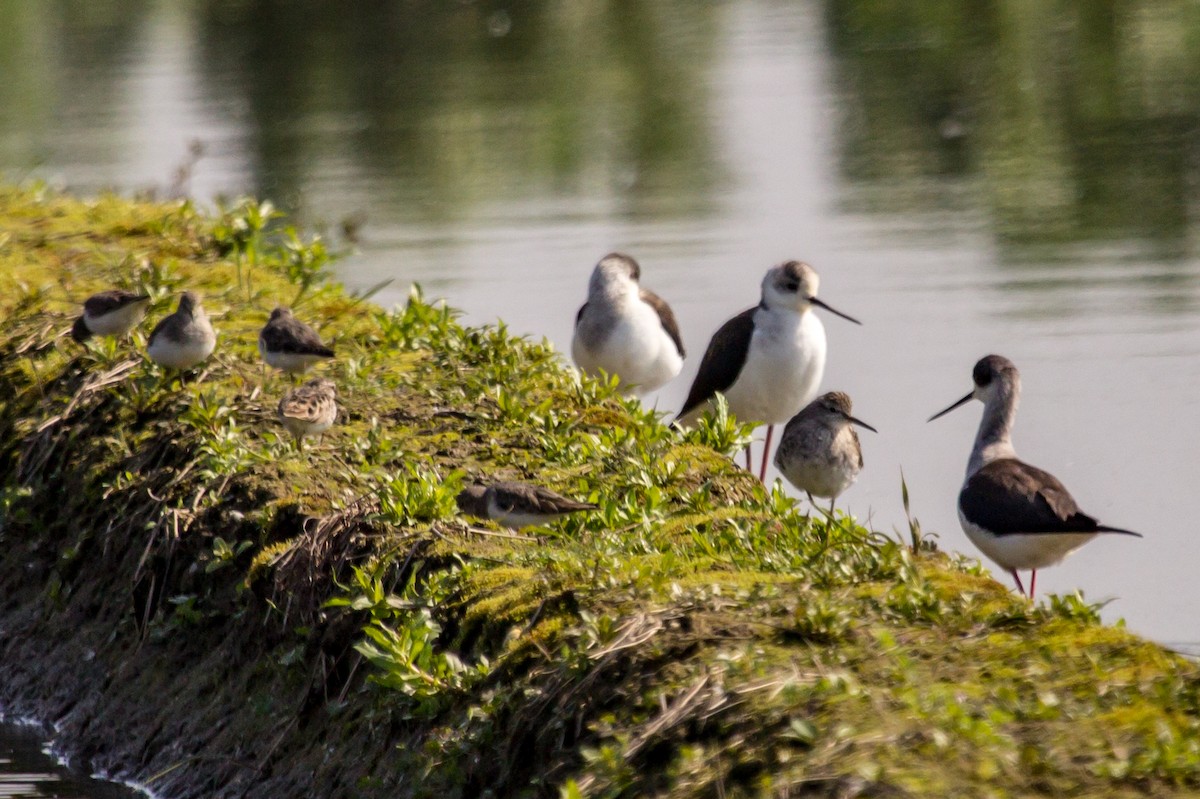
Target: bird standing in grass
pixel 626 330
pixel 1018 515
pixel 110 313
pixel 310 409
pixel 288 344
pixel 517 505
pixel 768 360
pixel 819 452
pixel 185 338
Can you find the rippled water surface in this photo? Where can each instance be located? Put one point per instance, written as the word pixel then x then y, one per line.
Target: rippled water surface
pixel 1009 178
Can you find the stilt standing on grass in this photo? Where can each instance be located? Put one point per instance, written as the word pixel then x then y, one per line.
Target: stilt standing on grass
pixel 768 360
pixel 1018 515
pixel 626 330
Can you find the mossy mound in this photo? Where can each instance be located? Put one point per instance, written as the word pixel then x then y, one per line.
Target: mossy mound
pixel 205 607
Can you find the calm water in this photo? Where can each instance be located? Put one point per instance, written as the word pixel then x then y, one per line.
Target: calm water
pixel 1006 178
pixel 27 772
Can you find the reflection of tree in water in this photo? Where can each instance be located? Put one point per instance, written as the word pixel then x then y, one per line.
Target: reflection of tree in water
pixel 1077 121
pixel 60 58
pixel 1069 122
pixel 447 104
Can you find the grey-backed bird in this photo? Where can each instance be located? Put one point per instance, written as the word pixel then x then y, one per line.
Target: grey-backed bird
pixel 290 345
pixel 517 505
pixel 185 338
pixel 110 313
pixel 819 452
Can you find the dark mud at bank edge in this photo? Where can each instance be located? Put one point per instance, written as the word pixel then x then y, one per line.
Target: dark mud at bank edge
pixel 27 772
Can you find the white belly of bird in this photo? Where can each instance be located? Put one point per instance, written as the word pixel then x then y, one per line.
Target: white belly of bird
pixel 118 322
pixel 178 355
pixel 637 350
pixel 1024 550
pixel 782 372
pixel 517 519
pixel 826 480
pixel 288 361
pixel 305 427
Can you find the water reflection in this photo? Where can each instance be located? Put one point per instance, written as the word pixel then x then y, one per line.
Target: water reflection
pixel 1065 123
pixel 434 108
pixel 1072 122
pixel 446 105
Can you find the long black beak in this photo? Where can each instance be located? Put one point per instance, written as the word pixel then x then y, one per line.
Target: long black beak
pixel 822 304
pixel 962 401
pixel 860 423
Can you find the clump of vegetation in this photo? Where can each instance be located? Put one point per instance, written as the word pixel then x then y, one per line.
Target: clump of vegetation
pixel 699 634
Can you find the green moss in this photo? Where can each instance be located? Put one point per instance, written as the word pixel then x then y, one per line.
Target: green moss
pixel 696 635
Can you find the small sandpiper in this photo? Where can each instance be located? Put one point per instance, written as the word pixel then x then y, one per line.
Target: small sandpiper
pixel 626 330
pixel 288 344
pixel 819 452
pixel 767 360
pixel 517 505
pixel 185 338
pixel 310 409
pixel 1018 515
pixel 110 313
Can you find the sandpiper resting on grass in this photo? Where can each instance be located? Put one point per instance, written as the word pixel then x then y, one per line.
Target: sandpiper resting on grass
pixel 185 338
pixel 1018 515
pixel 819 452
pixel 517 505
pixel 288 344
pixel 110 313
pixel 310 409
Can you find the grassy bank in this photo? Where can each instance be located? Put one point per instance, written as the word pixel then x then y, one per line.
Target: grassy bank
pixel 203 606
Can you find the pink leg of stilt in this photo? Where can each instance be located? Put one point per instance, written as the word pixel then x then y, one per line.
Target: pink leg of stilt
pixel 1032 582
pixel 749 463
pixel 1020 587
pixel 762 475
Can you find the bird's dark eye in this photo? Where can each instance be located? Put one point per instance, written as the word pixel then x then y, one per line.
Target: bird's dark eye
pixel 792 285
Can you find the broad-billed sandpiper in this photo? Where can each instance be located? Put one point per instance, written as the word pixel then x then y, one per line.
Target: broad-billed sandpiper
pixel 310 409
